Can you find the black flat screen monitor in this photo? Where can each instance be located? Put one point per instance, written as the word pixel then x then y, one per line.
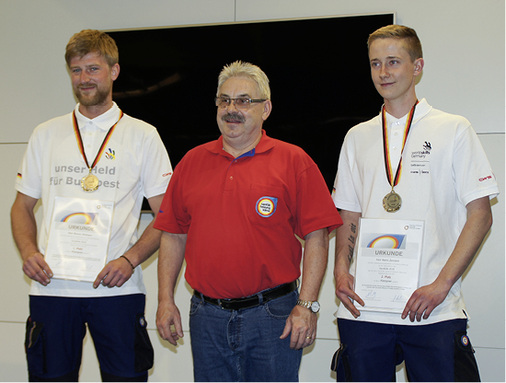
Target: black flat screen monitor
pixel 318 71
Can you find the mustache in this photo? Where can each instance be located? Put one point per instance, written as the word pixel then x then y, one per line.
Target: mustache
pixel 233 117
pixel 85 85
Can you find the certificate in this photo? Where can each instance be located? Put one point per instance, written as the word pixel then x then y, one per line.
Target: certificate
pixel 79 238
pixel 387 263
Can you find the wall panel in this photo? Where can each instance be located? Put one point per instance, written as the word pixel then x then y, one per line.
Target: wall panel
pixel 464 74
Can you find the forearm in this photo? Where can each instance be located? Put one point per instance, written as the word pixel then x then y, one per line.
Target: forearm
pixel 314 263
pixel 147 245
pixel 425 299
pixel 149 242
pixel 24 231
pixel 24 226
pixel 345 241
pixel 301 324
pixel 479 221
pixel 345 246
pixel 170 261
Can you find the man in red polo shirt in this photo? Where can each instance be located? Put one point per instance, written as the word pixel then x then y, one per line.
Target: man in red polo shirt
pixel 232 211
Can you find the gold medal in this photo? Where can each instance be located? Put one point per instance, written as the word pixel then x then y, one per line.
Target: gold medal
pixel 392 202
pixel 89 183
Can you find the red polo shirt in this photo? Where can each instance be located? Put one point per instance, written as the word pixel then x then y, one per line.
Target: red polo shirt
pixel 240 215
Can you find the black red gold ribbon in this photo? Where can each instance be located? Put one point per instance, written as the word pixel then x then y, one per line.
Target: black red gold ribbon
pixel 102 147
pixel 393 179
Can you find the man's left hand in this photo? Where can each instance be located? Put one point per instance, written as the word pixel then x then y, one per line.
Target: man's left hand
pixel 423 301
pixel 114 274
pixel 302 325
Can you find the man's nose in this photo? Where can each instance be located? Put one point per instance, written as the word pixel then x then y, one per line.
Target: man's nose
pixel 384 71
pixel 84 77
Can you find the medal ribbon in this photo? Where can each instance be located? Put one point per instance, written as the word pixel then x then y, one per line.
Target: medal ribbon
pixel 102 147
pixel 393 180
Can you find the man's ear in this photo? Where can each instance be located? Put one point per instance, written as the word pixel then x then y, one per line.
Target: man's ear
pixel 115 71
pixel 267 109
pixel 419 63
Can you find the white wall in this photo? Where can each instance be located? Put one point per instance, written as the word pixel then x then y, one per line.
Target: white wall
pixel 463 44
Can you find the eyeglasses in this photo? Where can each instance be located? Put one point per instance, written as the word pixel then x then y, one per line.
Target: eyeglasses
pixel 239 102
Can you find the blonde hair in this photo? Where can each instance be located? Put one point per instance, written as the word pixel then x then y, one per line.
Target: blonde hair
pixel 91 40
pixel 401 32
pixel 248 70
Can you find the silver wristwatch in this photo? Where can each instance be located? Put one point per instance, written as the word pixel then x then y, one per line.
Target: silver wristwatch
pixel 314 306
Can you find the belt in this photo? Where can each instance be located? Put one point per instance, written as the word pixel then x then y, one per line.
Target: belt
pixel 252 300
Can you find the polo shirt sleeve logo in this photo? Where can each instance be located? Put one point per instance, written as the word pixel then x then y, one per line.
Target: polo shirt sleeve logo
pixel 266 206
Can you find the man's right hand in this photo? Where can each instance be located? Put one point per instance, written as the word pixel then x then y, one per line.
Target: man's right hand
pixel 36 268
pixel 168 323
pixel 345 293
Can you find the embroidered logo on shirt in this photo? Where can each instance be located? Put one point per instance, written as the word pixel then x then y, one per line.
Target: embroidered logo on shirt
pixel 266 206
pixel 422 154
pixel 110 154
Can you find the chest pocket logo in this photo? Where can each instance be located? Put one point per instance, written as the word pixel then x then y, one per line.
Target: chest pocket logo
pixel 110 154
pixel 266 206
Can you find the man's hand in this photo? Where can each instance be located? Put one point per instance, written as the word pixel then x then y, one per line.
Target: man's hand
pixel 115 273
pixel 168 322
pixel 24 231
pixel 36 268
pixel 424 300
pixel 345 293
pixel 302 325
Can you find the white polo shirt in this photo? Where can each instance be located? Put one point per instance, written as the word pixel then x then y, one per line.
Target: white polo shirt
pixel 444 168
pixel 134 165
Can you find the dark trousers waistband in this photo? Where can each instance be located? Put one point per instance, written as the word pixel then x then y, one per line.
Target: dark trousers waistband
pixel 251 301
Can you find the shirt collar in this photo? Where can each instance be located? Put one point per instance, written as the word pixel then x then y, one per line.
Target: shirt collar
pixel 422 108
pixel 103 122
pixel 392 120
pixel 265 144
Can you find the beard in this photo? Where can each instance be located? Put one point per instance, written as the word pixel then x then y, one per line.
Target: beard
pixel 92 98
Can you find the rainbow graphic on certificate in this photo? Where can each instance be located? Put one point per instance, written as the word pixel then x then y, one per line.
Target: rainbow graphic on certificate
pixel 81 218
pixel 386 241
